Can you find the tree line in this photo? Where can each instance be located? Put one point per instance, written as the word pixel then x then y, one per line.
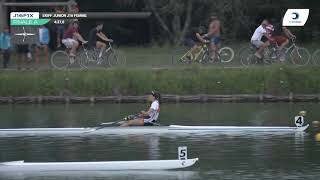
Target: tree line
pixel 171 20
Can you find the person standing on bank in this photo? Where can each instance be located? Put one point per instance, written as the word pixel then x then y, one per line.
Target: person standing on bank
pixel 44 39
pixel 5 45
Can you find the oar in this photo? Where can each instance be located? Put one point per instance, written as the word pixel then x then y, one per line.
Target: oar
pixel 110 123
pixel 129 117
pixel 103 125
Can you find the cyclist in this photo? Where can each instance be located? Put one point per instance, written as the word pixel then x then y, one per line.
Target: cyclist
pixel 193 38
pixel 257 36
pixel 98 39
pixel 72 37
pixel 147 118
pixel 280 36
pixel 214 35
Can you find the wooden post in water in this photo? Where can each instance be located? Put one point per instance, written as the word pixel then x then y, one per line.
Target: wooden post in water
pixel 290 96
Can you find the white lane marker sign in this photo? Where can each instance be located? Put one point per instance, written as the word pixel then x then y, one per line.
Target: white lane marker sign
pixel 182 153
pixel 299 121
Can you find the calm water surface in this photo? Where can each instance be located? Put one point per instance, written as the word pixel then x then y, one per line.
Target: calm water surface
pixel 222 156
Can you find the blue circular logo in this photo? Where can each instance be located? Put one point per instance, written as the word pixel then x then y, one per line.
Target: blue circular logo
pixel 295 15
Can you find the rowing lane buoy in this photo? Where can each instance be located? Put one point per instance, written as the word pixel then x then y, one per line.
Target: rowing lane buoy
pixel 303 113
pixel 317 137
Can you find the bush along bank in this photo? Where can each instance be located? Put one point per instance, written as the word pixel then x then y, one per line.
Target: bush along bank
pixel 275 80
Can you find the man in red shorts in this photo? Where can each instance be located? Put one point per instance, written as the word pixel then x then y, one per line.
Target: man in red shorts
pixel 280 36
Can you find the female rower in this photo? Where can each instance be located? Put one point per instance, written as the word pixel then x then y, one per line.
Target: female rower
pixel 147 118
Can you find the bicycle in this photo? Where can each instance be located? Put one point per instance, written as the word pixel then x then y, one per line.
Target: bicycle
pixel 247 56
pixel 109 58
pixel 298 55
pixel 188 57
pixel 61 59
pixel 225 54
pixel 316 57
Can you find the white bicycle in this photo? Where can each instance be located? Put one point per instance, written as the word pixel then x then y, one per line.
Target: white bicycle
pixel 88 58
pixel 109 58
pixel 62 60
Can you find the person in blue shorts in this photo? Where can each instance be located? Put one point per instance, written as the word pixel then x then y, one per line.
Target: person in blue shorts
pixel 5 46
pixel 214 35
pixel 44 39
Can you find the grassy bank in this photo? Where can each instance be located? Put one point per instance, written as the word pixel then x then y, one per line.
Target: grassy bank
pixel 154 56
pixel 195 80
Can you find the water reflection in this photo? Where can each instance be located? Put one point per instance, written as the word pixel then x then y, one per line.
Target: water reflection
pixel 223 155
pixel 100 175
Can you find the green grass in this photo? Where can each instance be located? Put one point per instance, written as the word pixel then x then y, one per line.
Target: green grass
pixel 166 56
pixel 148 56
pixel 276 80
pixel 169 56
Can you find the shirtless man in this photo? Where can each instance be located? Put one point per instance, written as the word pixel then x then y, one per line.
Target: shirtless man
pixel 214 35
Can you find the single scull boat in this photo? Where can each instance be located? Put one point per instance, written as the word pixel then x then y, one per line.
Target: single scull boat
pixel 97 166
pixel 21 166
pixel 148 130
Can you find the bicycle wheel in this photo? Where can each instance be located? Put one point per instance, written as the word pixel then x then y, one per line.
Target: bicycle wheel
pixel 226 54
pixel 60 59
pixel 300 56
pixel 316 57
pixel 206 58
pixel 112 59
pixel 89 59
pixel 247 57
pixel 122 60
pixel 269 56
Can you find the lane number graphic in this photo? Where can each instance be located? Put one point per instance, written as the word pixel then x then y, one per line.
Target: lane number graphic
pixel 299 121
pixel 182 153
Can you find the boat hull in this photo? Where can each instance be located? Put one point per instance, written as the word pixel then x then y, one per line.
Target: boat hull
pixel 148 130
pixel 16 166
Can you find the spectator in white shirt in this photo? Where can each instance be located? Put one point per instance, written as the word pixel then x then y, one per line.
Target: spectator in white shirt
pixel 257 36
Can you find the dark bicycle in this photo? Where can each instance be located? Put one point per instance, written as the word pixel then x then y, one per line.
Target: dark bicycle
pixel 298 55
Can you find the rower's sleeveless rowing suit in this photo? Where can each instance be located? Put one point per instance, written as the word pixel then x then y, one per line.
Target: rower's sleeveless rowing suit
pixel 155 110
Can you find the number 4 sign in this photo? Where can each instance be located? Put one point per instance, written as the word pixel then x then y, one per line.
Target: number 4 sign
pixel 299 121
pixel 182 153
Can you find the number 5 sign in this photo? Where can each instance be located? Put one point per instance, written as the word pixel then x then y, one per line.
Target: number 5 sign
pixel 299 121
pixel 182 153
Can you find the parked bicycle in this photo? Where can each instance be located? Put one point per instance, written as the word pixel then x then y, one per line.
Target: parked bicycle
pixel 298 55
pixel 202 55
